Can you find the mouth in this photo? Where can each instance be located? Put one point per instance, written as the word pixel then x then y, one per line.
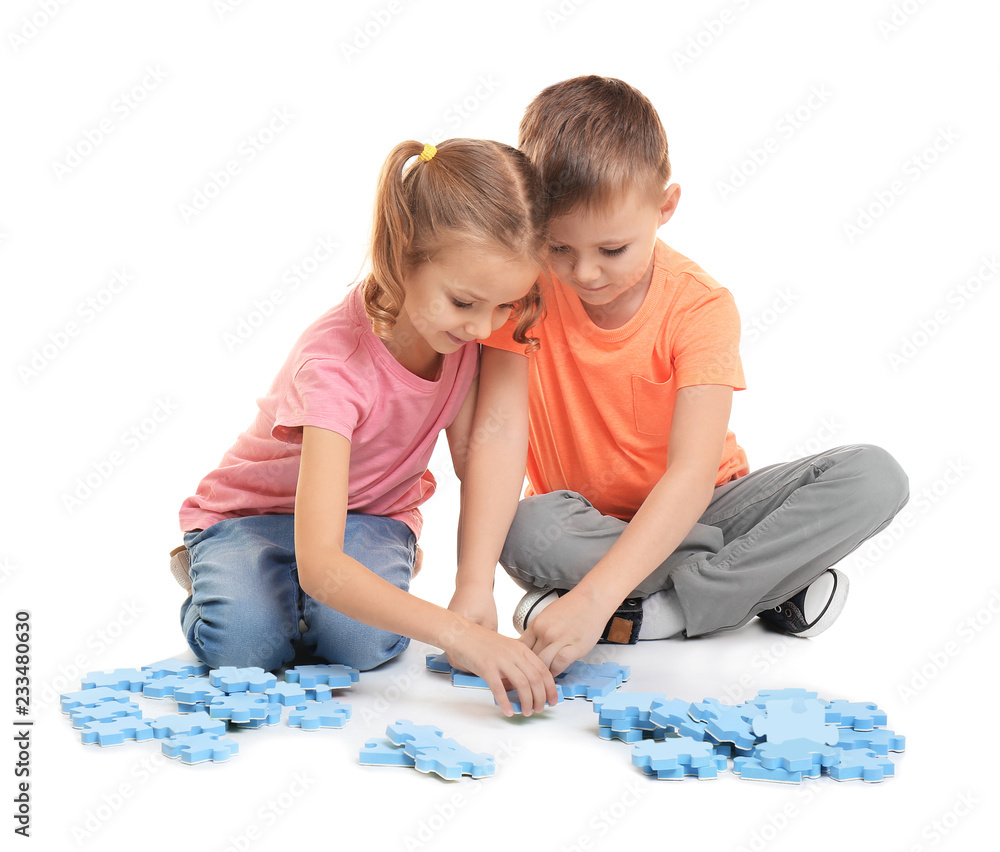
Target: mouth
pixel 456 340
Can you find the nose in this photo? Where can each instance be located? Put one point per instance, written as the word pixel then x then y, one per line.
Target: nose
pixel 480 326
pixel 585 271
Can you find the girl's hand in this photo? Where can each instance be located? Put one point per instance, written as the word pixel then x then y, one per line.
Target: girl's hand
pixel 504 663
pixel 566 630
pixel 475 606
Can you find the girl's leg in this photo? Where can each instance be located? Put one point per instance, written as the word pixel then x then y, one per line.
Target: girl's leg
pixel 763 538
pixel 244 605
pixel 386 547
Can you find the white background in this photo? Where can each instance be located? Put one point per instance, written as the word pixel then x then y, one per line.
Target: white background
pixel 879 334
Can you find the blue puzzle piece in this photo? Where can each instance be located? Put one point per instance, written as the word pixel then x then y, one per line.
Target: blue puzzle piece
pixel 452 761
pixel 439 663
pixel 286 694
pixel 796 718
pixel 380 751
pixel 797 755
pixel 404 731
pixel 708 771
pixel 91 698
pixel 194 723
pixel 116 731
pixel 196 690
pixel 468 680
pixel 671 713
pixel 751 769
pixel 862 716
pixel 516 704
pixel 103 712
pixel 129 680
pixel 727 722
pixel 628 705
pixel 862 764
pixel 200 747
pixel 672 753
pixel 591 680
pixel 243 707
pixel 177 666
pixel 881 740
pixel 628 735
pixel 272 718
pixel 334 676
pixel 164 687
pixel 233 679
pixel 326 714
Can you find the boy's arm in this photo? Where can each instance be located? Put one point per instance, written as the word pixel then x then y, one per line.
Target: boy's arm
pixel 489 448
pixel 333 578
pixel 568 628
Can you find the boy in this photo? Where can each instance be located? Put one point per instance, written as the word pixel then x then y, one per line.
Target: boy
pixel 643 520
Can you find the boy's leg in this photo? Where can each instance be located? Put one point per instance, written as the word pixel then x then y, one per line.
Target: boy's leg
pixel 244 604
pixel 386 547
pixel 763 537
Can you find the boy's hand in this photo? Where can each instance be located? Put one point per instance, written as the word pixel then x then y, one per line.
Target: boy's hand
pixel 478 607
pixel 504 663
pixel 566 630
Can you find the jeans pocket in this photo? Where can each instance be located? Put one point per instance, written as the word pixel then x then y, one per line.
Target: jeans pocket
pixel 653 403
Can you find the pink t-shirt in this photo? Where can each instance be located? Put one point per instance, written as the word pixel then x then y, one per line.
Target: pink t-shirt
pixel 339 376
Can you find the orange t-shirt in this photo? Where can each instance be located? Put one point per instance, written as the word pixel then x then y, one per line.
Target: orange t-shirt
pixel 601 400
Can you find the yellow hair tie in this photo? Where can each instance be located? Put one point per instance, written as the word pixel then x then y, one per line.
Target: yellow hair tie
pixel 428 152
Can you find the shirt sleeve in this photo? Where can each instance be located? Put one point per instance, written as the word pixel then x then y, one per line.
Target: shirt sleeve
pixel 321 393
pixel 706 344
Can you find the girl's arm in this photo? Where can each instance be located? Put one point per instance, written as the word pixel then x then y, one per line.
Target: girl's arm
pixel 489 446
pixel 333 578
pixel 569 627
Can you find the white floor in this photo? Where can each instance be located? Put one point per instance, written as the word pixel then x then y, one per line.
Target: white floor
pixel 839 173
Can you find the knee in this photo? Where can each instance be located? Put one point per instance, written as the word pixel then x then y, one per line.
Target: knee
pixel 365 655
pixel 540 521
pixel 243 642
pixel 884 485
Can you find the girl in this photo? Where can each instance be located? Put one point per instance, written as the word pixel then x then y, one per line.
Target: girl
pixel 307 529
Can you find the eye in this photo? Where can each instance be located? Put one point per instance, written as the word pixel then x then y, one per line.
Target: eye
pixel 459 304
pixel 508 307
pixel 613 252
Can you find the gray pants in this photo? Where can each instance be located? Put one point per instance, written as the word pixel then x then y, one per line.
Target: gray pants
pixel 763 538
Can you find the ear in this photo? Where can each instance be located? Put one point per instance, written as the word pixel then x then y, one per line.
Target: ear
pixel 668 203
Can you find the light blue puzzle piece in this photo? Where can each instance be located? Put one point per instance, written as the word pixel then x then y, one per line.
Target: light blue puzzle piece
pixel 881 740
pixel 320 692
pixel 334 676
pixel 628 735
pixel 91 698
pixel 591 680
pixel 242 707
pixel 860 715
pixel 164 687
pixel 796 718
pixel 233 679
pixel 272 718
pixel 104 712
pixel 116 731
pixel 326 714
pixel 380 751
pixel 516 704
pixel 628 705
pixel 404 731
pixel 177 666
pixel 200 747
pixel 672 753
pixel 710 770
pixel 286 694
pixel 468 680
pixel 451 761
pixel 797 755
pixel 196 690
pixel 862 764
pixel 194 723
pixel 727 722
pixel 751 769
pixel 671 713
pixel 439 663
pixel 128 680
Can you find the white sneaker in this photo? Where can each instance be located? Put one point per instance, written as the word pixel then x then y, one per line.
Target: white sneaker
pixel 180 567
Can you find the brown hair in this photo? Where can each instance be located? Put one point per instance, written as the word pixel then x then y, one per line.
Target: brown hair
pixel 471 191
pixel 592 140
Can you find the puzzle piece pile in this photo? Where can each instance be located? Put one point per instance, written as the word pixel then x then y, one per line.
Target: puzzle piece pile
pixel 782 735
pixel 426 749
pixel 207 702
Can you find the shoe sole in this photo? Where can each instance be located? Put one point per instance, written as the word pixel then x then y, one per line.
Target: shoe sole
pixel 834 607
pixel 180 567
pixel 525 606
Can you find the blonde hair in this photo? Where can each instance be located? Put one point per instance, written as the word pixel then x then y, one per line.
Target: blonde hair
pixel 592 140
pixel 470 191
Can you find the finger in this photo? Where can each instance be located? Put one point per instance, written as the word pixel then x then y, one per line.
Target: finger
pixel 525 694
pixel 496 686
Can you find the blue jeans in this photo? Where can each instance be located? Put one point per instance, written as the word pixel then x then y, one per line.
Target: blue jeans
pixel 246 602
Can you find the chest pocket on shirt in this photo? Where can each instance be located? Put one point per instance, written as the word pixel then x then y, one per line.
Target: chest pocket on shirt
pixel 653 403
